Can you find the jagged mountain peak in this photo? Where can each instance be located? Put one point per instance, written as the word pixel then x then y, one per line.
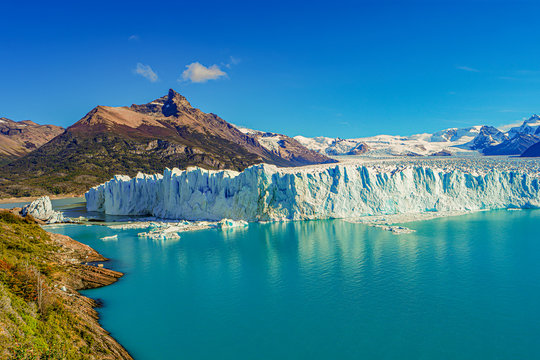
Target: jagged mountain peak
pixel 177 98
pixel 533 119
pixel 529 126
pixel 488 136
pixel 168 105
pixel 174 104
pixel 490 130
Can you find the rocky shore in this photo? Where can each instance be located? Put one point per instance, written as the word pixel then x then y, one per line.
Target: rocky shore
pixel 42 314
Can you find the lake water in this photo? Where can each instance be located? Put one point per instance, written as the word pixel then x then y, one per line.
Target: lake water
pixel 464 287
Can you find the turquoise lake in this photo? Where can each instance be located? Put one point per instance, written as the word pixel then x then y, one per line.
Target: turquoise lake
pixel 464 287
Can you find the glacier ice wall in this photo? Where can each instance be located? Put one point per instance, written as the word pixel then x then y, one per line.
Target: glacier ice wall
pixel 265 192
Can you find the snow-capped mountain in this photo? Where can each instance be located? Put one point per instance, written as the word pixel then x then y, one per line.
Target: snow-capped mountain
pixel 455 134
pixel 284 146
pixel 520 138
pixel 488 136
pixel 390 145
pixel 475 140
pixel 334 146
pixel 513 146
pixel 529 127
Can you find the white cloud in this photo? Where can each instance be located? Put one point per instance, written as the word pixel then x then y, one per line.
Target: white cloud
pixel 198 73
pixel 146 71
pixel 232 61
pixel 466 68
pixel 133 37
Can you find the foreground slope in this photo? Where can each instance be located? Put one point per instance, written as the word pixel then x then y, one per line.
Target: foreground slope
pixel 167 132
pixel 42 316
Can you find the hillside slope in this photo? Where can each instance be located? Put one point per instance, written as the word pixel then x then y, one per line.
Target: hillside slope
pixel 42 316
pixel 18 138
pixel 532 151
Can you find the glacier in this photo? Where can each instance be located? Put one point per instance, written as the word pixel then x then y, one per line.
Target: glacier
pixel 346 190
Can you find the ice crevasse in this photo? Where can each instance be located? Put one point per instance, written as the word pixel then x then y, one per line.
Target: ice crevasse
pixel 265 192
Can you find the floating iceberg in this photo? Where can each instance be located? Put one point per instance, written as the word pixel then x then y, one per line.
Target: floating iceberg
pixel 265 192
pixel 163 232
pixel 228 224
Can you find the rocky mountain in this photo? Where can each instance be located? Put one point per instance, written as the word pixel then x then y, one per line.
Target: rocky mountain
pixel 167 132
pixel 529 127
pixel 514 146
pixel 487 137
pixel 517 139
pixel 18 138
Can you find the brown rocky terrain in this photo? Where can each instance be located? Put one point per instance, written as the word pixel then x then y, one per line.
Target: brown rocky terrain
pixel 183 128
pixel 18 138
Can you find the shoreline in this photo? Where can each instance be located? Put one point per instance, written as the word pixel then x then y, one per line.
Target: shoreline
pixel 64 267
pixel 32 198
pixel 87 277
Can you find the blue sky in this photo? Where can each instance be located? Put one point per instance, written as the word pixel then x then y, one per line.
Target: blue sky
pixel 347 69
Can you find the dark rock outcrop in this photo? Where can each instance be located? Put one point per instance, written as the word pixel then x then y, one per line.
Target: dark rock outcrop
pixel 515 146
pixel 532 151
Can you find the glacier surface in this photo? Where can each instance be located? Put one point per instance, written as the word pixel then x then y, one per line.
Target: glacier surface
pixel 265 192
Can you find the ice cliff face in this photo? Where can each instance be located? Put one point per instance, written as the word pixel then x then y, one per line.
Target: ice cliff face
pixel 265 192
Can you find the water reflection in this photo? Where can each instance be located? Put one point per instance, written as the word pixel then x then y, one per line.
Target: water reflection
pixel 328 289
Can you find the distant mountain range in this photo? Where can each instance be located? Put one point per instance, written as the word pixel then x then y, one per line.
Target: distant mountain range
pixel 476 140
pixel 167 132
